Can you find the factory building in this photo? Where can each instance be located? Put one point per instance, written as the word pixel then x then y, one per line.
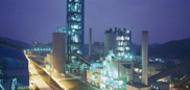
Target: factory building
pixel 118 41
pixel 59 51
pixel 116 69
pixel 111 74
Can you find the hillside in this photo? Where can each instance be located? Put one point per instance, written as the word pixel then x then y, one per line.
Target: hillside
pixel 6 42
pixel 173 49
pixel 179 49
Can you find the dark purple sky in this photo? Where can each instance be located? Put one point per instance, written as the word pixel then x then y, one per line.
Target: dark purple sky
pixel 31 20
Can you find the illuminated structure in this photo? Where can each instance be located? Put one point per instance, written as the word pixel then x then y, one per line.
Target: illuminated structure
pixel 117 68
pixel 59 51
pixel 118 41
pixel 40 49
pixel 123 42
pixel 111 74
pixel 75 30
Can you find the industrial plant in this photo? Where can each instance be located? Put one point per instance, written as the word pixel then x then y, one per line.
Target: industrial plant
pixel 117 68
pixel 72 62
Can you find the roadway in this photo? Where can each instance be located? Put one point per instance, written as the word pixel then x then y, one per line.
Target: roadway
pixel 56 81
pixel 40 79
pixel 36 80
pixel 49 81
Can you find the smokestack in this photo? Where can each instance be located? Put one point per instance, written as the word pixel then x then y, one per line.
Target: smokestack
pixel 144 57
pixel 90 43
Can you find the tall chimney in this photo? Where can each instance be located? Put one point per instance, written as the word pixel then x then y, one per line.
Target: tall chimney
pixel 144 57
pixel 90 43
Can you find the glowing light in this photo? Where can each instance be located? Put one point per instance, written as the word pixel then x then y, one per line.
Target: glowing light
pixel 127 48
pixel 102 86
pixel 79 52
pixel 127 38
pixel 75 26
pixel 122 38
pixel 75 38
pixel 120 83
pixel 76 17
pixel 128 31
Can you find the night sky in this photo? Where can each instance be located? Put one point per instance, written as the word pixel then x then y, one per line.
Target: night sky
pixel 35 20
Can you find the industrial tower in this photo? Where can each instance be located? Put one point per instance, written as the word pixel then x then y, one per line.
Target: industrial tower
pixel 75 30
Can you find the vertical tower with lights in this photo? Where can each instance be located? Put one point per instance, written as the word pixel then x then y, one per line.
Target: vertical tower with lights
pixel 118 41
pixel 123 40
pixel 75 29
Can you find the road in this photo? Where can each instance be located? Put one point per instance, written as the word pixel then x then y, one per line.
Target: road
pixel 55 82
pixel 36 79
pixel 40 79
pixel 49 81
